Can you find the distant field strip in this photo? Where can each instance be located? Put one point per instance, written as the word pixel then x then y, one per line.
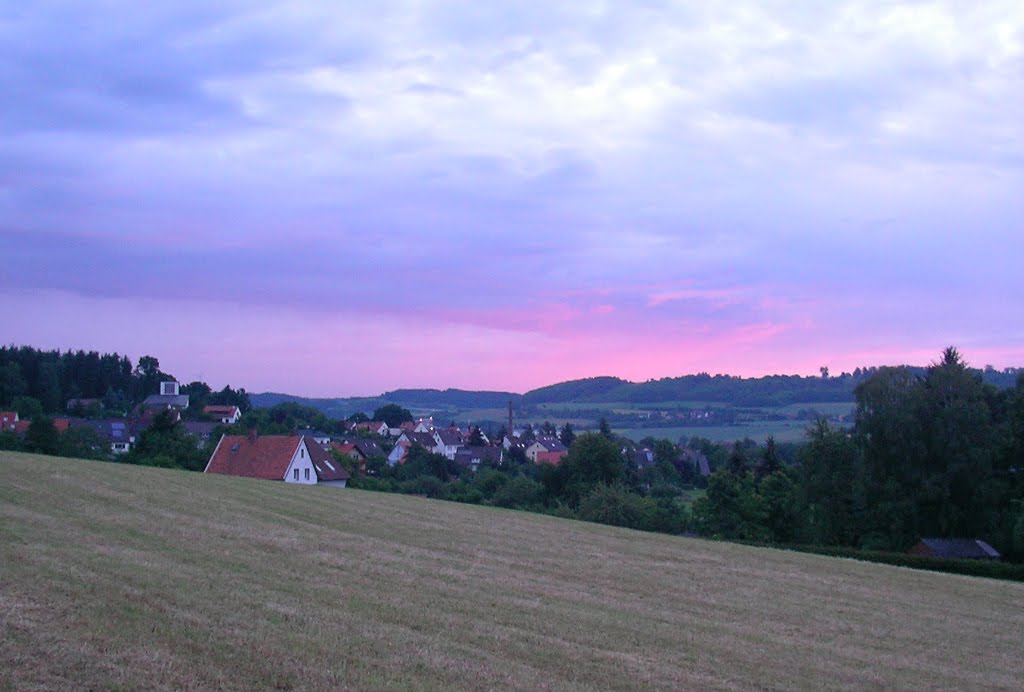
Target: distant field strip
pixel 782 431
pixel 125 577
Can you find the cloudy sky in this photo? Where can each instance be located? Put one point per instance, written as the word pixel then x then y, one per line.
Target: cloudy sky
pixel 341 198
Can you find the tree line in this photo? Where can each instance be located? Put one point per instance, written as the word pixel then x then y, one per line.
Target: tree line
pixel 933 452
pixel 36 382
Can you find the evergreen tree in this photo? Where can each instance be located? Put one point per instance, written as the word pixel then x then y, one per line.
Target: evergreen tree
pixel 769 462
pixel 567 436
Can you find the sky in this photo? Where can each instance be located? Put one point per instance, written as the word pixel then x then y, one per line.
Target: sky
pixel 343 198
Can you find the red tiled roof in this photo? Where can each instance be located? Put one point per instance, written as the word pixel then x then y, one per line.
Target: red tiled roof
pixel 21 426
pixel 268 456
pixel 347 447
pixel 214 410
pixel 327 467
pixel 61 424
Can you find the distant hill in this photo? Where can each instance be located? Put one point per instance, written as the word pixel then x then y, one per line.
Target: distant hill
pixel 416 400
pixel 773 390
pixel 768 391
pixel 449 398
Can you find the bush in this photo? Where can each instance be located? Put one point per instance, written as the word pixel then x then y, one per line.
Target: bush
pixel 381 485
pixel 462 491
pixel 490 481
pixel 616 506
pixel 519 493
pixel 428 486
pixel 974 568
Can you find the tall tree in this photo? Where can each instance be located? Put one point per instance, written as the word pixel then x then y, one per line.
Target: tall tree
pixel 769 462
pixel 42 437
pixel 392 414
pixel 567 436
pixel 592 460
pixel 830 487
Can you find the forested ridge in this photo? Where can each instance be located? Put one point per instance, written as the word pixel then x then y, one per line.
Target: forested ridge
pixel 767 391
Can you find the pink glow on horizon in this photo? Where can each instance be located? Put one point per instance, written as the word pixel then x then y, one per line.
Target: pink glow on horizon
pixel 311 354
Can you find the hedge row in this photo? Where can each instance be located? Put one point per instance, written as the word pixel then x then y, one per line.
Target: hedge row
pixel 991 569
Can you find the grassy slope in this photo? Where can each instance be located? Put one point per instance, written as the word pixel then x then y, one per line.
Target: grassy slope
pixel 114 576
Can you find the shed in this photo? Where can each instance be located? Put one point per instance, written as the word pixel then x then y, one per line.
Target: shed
pixel 955 549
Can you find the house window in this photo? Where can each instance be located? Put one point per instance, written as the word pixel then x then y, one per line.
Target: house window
pixel 302 453
pixel 296 474
pixel 307 474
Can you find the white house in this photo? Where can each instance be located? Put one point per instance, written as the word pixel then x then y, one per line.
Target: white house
pixel 287 458
pixel 227 415
pixel 447 442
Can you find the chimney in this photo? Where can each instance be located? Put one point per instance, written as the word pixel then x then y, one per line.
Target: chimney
pixel 253 434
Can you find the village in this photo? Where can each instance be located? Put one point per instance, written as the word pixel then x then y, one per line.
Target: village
pixel 309 456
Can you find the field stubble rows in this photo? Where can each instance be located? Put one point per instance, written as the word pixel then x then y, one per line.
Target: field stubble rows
pixel 114 576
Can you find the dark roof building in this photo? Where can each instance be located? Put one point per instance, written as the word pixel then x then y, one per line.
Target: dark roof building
pixel 476 455
pixel 955 548
pixel 328 470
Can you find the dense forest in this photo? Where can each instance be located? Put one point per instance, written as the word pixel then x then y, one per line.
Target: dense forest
pixel 34 382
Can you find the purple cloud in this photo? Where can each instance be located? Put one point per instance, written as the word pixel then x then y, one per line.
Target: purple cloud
pixel 770 188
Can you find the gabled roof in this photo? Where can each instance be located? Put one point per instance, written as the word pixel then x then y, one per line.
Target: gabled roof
pixel 199 428
pixel 422 439
pixel 345 448
pixel 267 456
pixel 448 437
pixel 165 400
pixel 369 448
pixel 113 429
pixel 312 434
pixel 217 410
pixel 467 455
pixel 327 467
pixel 551 444
pixel 966 548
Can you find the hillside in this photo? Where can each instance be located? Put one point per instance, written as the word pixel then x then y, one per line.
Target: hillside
pixel 118 576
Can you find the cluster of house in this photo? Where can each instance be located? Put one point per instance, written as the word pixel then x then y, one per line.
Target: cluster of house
pixel 307 457
pixel 120 434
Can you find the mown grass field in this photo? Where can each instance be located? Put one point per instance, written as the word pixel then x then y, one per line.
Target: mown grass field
pixel 759 431
pixel 123 577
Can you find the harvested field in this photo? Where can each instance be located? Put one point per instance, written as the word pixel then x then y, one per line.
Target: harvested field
pixel 123 577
